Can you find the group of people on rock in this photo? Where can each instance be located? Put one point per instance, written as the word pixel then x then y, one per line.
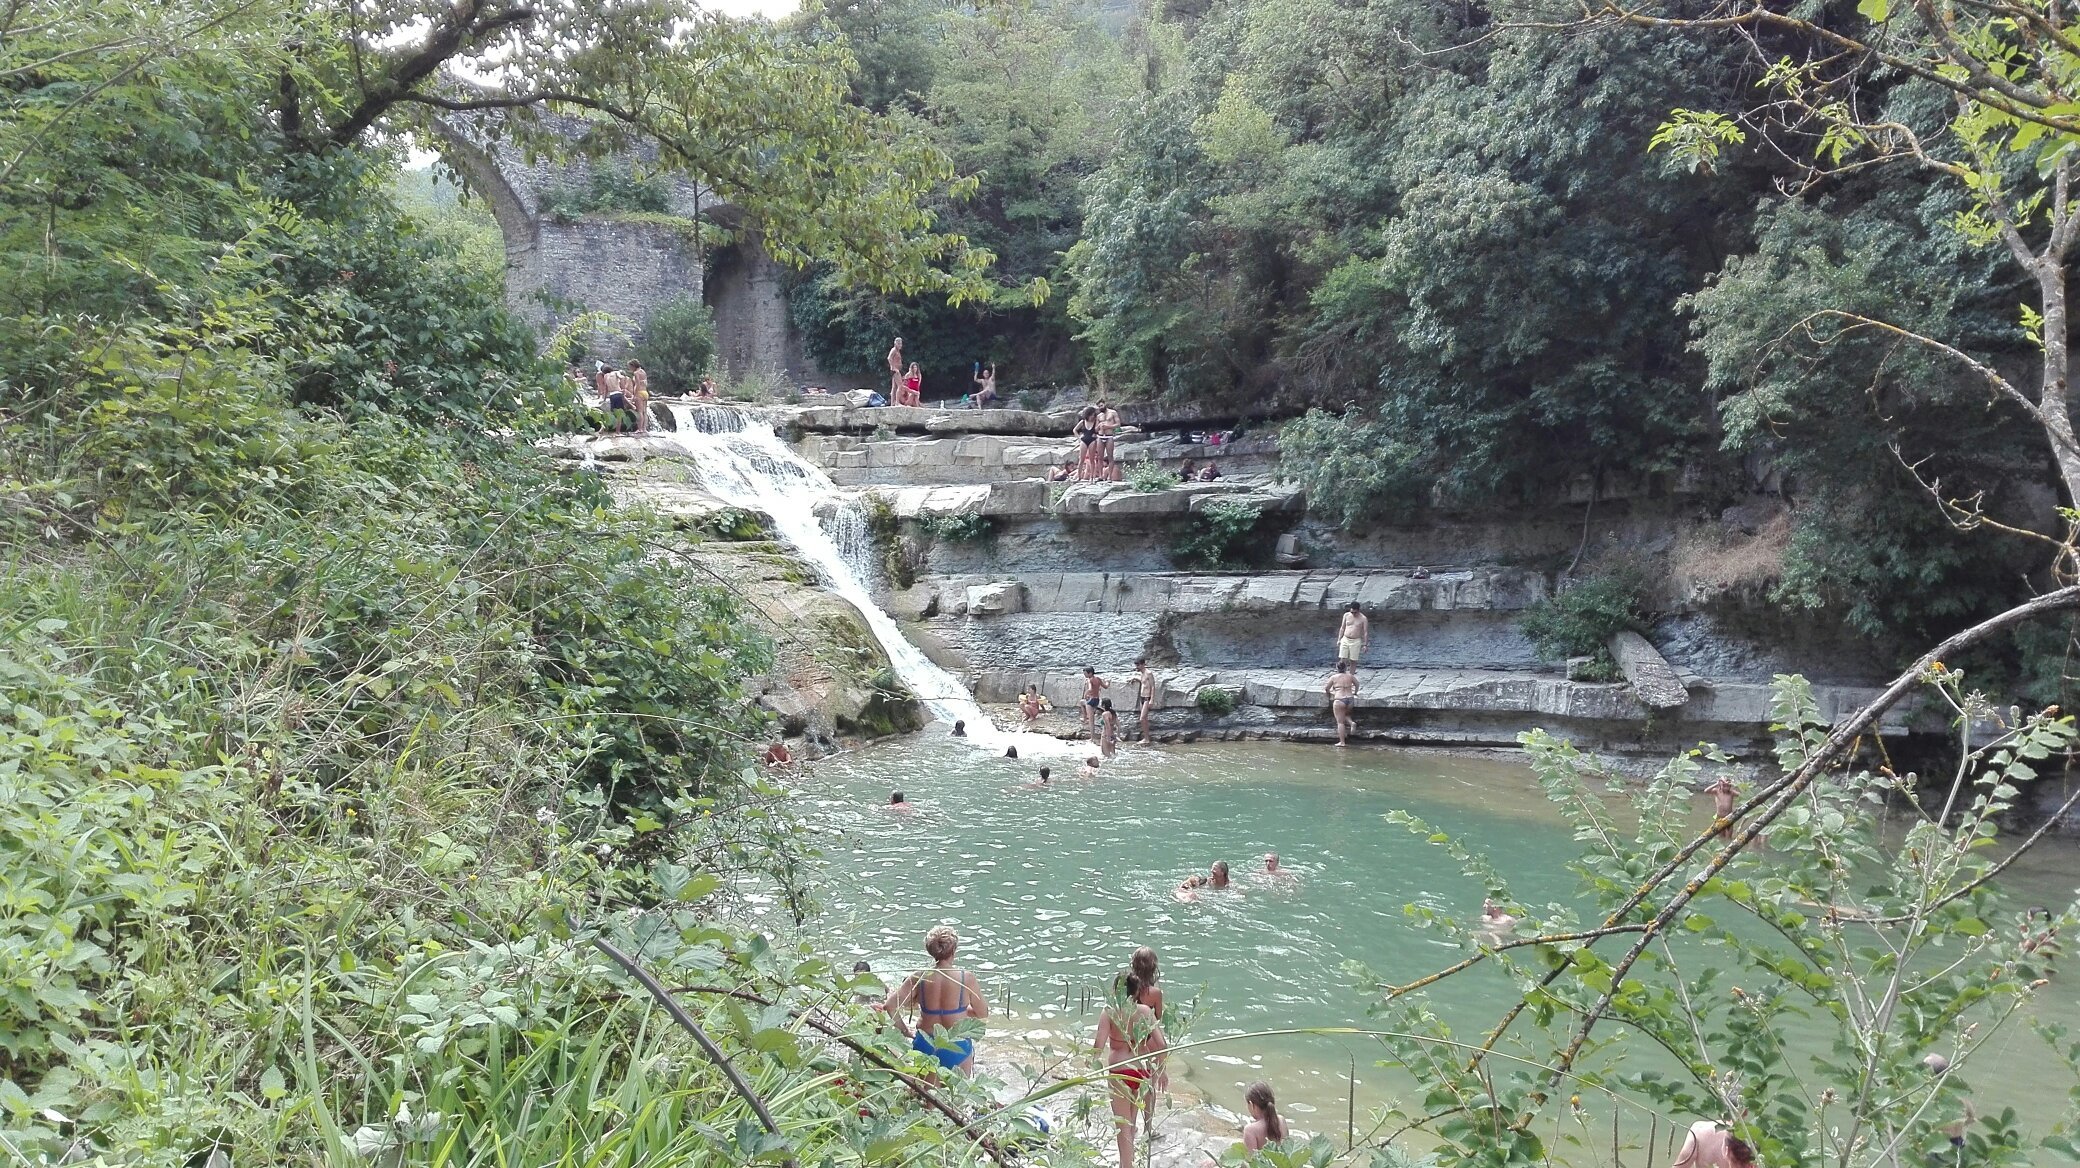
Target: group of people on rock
pixel 906 382
pixel 623 393
pixel 1129 1043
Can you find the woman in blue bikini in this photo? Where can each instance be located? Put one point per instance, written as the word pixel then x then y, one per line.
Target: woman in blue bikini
pixel 944 996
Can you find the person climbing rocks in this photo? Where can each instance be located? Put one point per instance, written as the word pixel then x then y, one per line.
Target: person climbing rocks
pixel 1144 694
pixel 1092 683
pixel 1342 688
pixel 1353 634
pixel 895 372
pixel 1130 1045
pixel 945 996
pixel 1108 729
pixel 986 387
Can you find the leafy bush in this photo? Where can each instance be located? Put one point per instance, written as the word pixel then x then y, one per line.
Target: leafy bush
pixel 1218 537
pixel 607 189
pixel 1354 470
pixel 1215 701
pixel 1149 477
pixel 968 528
pixel 677 345
pixel 1579 621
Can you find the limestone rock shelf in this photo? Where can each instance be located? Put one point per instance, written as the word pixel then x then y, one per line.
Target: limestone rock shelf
pixel 1084 502
pixel 986 458
pixel 1477 700
pixel 1325 591
pixel 837 418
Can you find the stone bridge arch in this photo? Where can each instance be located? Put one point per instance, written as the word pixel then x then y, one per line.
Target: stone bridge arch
pixel 558 266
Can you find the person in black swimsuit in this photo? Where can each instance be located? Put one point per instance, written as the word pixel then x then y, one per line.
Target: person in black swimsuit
pixel 1092 466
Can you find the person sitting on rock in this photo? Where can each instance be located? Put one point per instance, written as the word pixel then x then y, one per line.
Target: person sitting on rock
pixel 777 755
pixel 913 386
pixel 1063 473
pixel 707 390
pixel 1211 472
pixel 986 391
pixel 1031 704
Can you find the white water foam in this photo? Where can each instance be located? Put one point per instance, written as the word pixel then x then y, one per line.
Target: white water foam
pixel 742 461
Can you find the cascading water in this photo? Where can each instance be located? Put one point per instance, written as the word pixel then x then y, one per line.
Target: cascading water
pixel 741 461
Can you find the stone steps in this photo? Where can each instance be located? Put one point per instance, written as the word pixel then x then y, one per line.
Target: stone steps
pixel 1315 591
pixel 1039 501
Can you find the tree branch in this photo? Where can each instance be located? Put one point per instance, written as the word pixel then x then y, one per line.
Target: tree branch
pixel 446 40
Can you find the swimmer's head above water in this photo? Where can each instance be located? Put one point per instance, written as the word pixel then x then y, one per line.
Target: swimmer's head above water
pixel 1220 874
pixel 960 729
pixel 1271 862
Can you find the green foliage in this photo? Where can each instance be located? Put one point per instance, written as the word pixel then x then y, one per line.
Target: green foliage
pixel 1580 619
pixel 1353 470
pixel 677 345
pixel 1878 945
pixel 1149 477
pixel 971 527
pixel 1218 537
pixel 1214 701
pixel 607 189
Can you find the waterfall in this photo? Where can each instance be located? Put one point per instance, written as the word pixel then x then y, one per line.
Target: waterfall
pixel 740 460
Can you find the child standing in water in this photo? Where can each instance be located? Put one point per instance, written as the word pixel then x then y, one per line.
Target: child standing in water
pixel 1130 1043
pixel 1108 729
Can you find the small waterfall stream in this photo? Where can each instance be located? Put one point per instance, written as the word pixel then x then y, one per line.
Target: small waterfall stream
pixel 738 458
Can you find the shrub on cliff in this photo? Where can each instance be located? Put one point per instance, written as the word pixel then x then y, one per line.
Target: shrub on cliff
pixel 1580 620
pixel 1218 537
pixel 678 345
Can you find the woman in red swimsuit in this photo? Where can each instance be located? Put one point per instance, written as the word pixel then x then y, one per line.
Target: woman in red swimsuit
pixel 1130 1043
pixel 913 386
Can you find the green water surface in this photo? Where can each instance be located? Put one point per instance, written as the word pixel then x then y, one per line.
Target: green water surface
pixel 1051 890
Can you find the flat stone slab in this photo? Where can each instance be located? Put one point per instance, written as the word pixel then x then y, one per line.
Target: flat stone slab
pixel 839 418
pixel 1379 590
pixel 1121 500
pixel 1653 681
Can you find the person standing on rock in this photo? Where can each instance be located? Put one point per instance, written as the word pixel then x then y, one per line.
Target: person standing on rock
pixel 1108 439
pixel 1091 465
pixel 1342 688
pixel 895 372
pixel 1144 694
pixel 1353 635
pixel 1092 683
pixel 639 395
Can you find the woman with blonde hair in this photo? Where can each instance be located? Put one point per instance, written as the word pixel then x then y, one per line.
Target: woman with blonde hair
pixel 913 386
pixel 945 996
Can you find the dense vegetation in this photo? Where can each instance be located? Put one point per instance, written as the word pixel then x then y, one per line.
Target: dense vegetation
pixel 336 722
pixel 1461 238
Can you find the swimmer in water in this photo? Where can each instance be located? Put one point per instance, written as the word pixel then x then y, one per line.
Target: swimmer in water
pixel 1039 784
pixel 1090 768
pixel 1188 888
pixel 1275 871
pixel 1011 752
pixel 1495 924
pixel 896 802
pixel 1219 879
pixel 960 729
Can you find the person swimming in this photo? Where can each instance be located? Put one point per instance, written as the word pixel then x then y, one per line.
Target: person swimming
pixel 1495 923
pixel 1188 888
pixel 1219 879
pixel 944 996
pixel 896 802
pixel 1039 784
pixel 1090 767
pixel 960 729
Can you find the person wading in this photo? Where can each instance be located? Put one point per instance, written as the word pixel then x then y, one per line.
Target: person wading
pixel 1130 1043
pixel 945 996
pixel 1342 688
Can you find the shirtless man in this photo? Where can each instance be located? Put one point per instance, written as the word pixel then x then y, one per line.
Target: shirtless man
pixel 1275 871
pixel 895 372
pixel 1144 693
pixel 986 387
pixel 1108 438
pixel 1722 794
pixel 1092 683
pixel 1219 877
pixel 1353 635
pixel 900 805
pixel 1342 688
